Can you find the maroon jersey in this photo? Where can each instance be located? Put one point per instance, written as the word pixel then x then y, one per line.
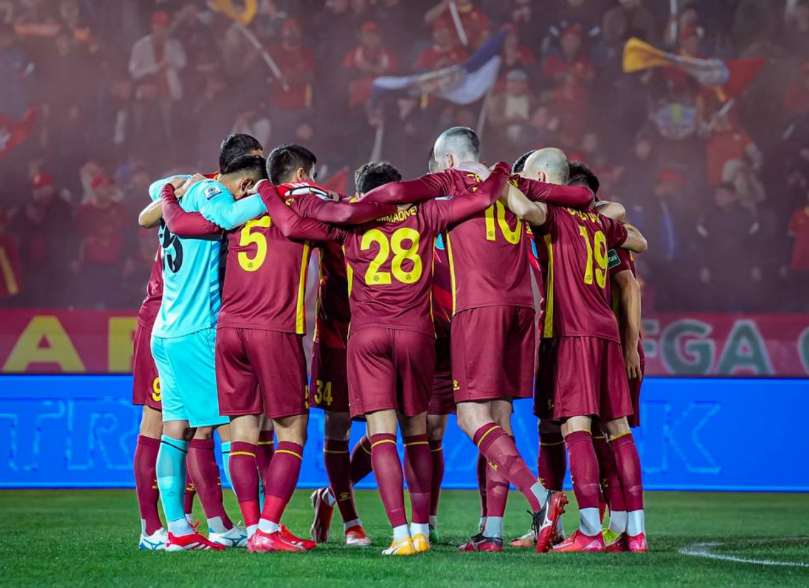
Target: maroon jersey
pixel 621 260
pixel 154 294
pixel 573 250
pixel 265 280
pixel 332 310
pixel 442 288
pixel 487 258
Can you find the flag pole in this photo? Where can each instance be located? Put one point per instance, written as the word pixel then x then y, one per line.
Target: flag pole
pixel 276 71
pixel 379 136
pixel 456 19
pixel 484 111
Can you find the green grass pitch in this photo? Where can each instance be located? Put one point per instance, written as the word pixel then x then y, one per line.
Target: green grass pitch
pixel 89 538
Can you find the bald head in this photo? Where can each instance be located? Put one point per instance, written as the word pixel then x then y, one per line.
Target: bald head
pixel 547 165
pixel 455 146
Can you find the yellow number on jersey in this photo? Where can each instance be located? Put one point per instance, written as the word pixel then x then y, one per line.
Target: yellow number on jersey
pixel 248 237
pixel 600 251
pixel 374 277
pixel 512 236
pixel 323 394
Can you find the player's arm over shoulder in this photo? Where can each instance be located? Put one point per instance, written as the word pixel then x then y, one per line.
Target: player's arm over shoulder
pixel 535 213
pixel 412 191
pixel 634 241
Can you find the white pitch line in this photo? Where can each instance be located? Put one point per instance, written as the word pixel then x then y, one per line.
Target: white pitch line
pixel 704 550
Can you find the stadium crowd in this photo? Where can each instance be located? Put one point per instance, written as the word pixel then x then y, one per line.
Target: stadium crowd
pixel 99 98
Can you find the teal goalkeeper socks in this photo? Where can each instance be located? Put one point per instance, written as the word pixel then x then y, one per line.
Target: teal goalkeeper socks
pixel 171 472
pixel 226 461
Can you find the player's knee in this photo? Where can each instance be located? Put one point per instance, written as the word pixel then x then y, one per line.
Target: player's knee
pixel 151 424
pixel 436 427
pixel 548 427
pixel 337 426
pixel 616 427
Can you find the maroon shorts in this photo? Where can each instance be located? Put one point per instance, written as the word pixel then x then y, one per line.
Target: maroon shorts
pixel 581 376
pixel 260 372
pixel 390 369
pixel 442 399
pixel 329 384
pixel 146 388
pixel 634 394
pixel 493 353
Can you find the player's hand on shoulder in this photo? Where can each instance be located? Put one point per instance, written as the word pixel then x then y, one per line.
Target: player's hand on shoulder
pixel 187 183
pixel 254 189
pixel 612 210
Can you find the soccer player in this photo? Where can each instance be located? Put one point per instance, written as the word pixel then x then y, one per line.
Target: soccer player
pixel 581 370
pixel 391 348
pixel 292 169
pixel 146 389
pixel 491 294
pixel 182 347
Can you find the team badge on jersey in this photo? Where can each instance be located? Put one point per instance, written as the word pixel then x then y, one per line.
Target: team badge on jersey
pixel 212 190
pixel 612 259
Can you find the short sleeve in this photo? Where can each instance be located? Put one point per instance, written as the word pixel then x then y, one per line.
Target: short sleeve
pixel 620 260
pixel 439 213
pixel 615 232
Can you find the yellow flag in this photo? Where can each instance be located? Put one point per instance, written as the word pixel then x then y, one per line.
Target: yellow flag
pixel 639 55
pixel 229 9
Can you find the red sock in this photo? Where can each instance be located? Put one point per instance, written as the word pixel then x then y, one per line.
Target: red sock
pixel 500 451
pixel 204 471
pixel 190 492
pixel 361 461
pixel 388 472
pixel 283 477
pixel 338 468
pixel 583 468
pixel 628 463
pixel 264 453
pixel 610 481
pixel 146 482
pixel 482 471
pixel 437 452
pixel 418 469
pixel 552 460
pixel 244 475
pixel 496 491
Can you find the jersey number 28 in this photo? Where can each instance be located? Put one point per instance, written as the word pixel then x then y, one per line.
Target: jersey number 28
pixel 374 277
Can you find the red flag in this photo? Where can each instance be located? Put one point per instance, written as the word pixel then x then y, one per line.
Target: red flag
pixel 13 133
pixel 742 74
pixel 338 182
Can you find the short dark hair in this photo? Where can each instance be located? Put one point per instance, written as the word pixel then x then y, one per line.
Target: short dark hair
pixel 375 174
pixel 582 175
pixel 234 146
pixel 464 136
pixel 284 160
pixel 519 163
pixel 253 166
pixel 431 160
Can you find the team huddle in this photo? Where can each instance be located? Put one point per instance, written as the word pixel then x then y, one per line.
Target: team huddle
pixel 424 309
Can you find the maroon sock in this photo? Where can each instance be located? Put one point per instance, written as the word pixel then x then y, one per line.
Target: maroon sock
pixel 482 471
pixel 361 461
pixel 496 491
pixel 190 492
pixel 204 471
pixel 244 475
pixel 264 453
pixel 552 460
pixel 610 481
pixel 501 451
pixel 437 452
pixel 283 477
pixel 418 469
pixel 628 463
pixel 388 472
pixel 146 482
pixel 338 468
pixel 583 468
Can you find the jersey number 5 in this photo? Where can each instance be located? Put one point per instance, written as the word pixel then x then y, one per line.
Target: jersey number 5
pixel 247 236
pixel 599 247
pixel 512 236
pixel 374 277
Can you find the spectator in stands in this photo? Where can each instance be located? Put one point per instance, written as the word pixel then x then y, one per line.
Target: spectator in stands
pixel 292 94
pixel 473 20
pixel 515 54
pixel 727 229
pixel 444 51
pixel 10 275
pixel 15 73
pixel 799 261
pixel 155 64
pixel 510 112
pixel 47 245
pixel 797 30
pixel 103 227
pixel 629 19
pixel 727 142
pixel 570 59
pixel 366 62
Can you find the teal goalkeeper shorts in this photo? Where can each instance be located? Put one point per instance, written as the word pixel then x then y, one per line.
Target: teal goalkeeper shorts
pixel 188 378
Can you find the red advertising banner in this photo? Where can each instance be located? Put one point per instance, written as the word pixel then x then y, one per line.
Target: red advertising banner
pixel 63 341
